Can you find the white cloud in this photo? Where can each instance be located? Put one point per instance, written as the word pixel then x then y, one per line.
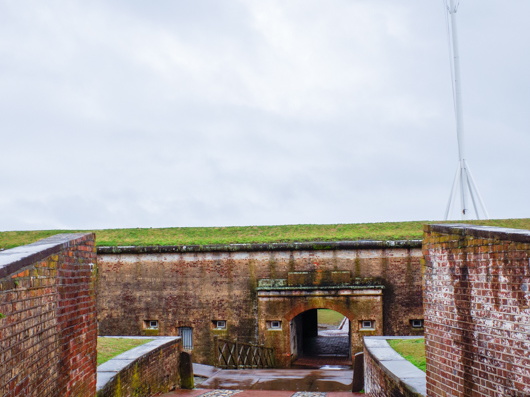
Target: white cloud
pixel 247 112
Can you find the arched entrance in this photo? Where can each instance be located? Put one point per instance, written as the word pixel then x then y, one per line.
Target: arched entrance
pixel 320 338
pixel 283 325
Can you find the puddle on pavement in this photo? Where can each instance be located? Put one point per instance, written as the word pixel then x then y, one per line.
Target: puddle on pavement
pixel 335 367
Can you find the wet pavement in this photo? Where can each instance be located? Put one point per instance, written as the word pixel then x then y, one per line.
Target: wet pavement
pixel 338 362
pixel 256 393
pixel 327 346
pixel 317 380
pixel 327 373
pixel 270 383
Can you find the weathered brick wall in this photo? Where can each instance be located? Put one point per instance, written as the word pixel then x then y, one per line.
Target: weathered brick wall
pixel 194 286
pixel 48 328
pixel 387 374
pixel 477 311
pixel 152 373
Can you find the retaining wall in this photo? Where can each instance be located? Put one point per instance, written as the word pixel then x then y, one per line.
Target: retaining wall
pixel 144 371
pixel 386 373
pixel 48 325
pixel 196 286
pixel 477 311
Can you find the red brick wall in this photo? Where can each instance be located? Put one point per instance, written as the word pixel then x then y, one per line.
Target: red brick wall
pixel 48 327
pixel 477 311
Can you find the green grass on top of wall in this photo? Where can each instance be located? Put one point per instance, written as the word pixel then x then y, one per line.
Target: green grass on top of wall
pixel 250 234
pixel 111 347
pixel 412 350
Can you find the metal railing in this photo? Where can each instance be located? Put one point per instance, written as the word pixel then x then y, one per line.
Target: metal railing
pixel 239 355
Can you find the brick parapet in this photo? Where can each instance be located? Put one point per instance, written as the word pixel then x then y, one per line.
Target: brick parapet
pixel 146 370
pixel 48 318
pixel 477 310
pixel 386 373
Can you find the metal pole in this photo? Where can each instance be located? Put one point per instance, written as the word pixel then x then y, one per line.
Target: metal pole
pixel 458 89
pixel 475 190
pixel 452 195
pixel 458 107
pixel 463 177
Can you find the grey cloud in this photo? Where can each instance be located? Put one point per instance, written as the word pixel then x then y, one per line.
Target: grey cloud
pixel 128 114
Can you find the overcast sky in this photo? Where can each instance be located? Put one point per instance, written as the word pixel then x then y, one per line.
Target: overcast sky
pixel 129 113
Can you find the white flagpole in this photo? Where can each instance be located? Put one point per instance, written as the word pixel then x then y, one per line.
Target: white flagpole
pixel 458 105
pixel 463 177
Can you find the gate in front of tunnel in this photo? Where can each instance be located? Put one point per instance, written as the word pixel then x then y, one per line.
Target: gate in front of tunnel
pixel 288 316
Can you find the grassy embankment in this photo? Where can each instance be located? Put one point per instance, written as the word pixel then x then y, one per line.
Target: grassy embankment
pixel 412 350
pixel 330 317
pixel 112 347
pixel 249 234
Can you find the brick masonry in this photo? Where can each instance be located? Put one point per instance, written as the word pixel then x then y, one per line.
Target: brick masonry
pixel 48 328
pixel 193 286
pixel 147 370
pixel 477 311
pixel 386 373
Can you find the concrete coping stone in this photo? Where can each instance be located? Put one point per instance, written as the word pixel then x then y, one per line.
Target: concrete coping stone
pixel 395 365
pixel 322 287
pixel 302 246
pixel 108 370
pixel 14 259
pixel 488 232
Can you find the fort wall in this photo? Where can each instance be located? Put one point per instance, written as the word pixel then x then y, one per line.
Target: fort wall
pixel 192 288
pixel 48 331
pixel 477 311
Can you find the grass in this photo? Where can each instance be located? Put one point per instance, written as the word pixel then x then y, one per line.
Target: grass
pixel 112 347
pixel 326 316
pixel 412 350
pixel 249 234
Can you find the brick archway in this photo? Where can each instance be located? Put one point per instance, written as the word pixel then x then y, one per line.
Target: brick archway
pixel 279 305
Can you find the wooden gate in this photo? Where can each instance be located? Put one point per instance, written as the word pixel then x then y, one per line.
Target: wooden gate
pixel 238 355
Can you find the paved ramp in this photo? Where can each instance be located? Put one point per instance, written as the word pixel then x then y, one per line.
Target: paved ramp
pixel 256 393
pixel 281 379
pixel 269 383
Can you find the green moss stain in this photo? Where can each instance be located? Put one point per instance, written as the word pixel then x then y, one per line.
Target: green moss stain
pixel 117 390
pixel 384 265
pixel 186 371
pixel 136 382
pixel 357 265
pixel 272 265
pixel 151 332
pixel 252 280
pixel 292 263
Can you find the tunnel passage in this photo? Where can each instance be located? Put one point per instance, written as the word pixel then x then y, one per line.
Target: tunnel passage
pixel 320 337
